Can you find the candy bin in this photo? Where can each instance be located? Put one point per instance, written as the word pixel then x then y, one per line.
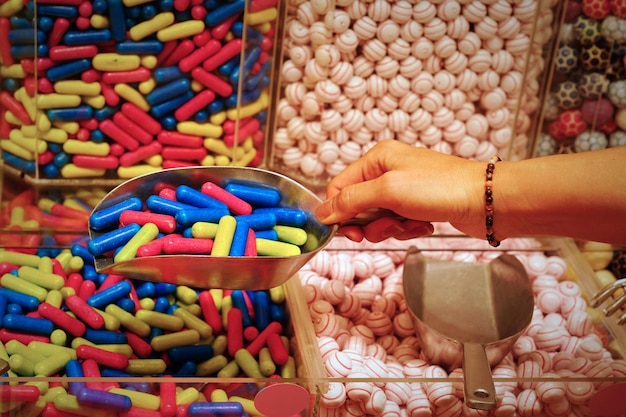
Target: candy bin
pixel 79 343
pixel 107 90
pixel 459 77
pixel 568 361
pixel 587 77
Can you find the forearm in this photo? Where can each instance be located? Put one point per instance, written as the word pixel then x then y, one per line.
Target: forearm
pixel 579 195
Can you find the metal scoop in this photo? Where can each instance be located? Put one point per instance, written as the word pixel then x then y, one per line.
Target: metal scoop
pixel 205 271
pixel 468 315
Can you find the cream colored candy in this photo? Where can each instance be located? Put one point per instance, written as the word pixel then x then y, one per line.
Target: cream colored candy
pixel 387 68
pixel 500 137
pixel 456 63
pixel 498 118
pixel 411 31
pixel 355 9
pixel 328 152
pixel 480 61
pixel 294 93
pixel 409 102
pixel 399 49
pixel 424 11
pixel 455 99
pixel 321 7
pixel 455 131
pixel 374 49
pixel 486 28
pixel 327 91
pixel 376 120
pixel 398 121
pixel 488 80
pixel 448 10
pixel 477 126
pixel 420 119
pixel 422 49
pixel 330 120
pixel 500 10
pixel 443 117
pixel 399 86
pixel 474 11
pixel 444 82
pixel 423 83
pixel 458 28
pixel 410 67
pixel 311 166
pixel 353 120
pixel 306 15
pixel 350 152
pixel 432 101
pixel 314 133
pixel 290 72
pixel 401 12
pixel 387 103
pixel 298 33
pixel 388 31
pixel 509 28
pixel 435 29
pixel 355 88
pixel 295 127
pixel 518 44
pixel 327 55
pixel 314 72
pixel 379 10
pixel 469 44
pixel 292 157
pixel 337 20
pixel 502 61
pixel 376 86
pixel 431 135
pixel 341 73
pixel 408 136
pixel 365 28
pixel 466 147
pixel 494 44
pixel 320 34
pixel 347 41
pixel 300 55
pixel 445 47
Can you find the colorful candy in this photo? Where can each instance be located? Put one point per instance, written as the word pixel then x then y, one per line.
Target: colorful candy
pixel 164 332
pixel 97 85
pixel 232 219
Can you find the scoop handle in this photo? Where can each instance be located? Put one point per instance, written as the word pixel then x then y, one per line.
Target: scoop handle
pixel 480 393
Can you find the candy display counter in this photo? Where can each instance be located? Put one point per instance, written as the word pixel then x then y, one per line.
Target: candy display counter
pixel 568 361
pixel 586 98
pixel 111 89
pixel 352 348
pixel 456 76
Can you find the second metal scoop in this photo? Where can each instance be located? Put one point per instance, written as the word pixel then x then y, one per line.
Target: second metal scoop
pixel 468 315
pixel 205 271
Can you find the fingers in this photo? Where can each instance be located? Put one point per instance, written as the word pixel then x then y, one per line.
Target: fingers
pixel 386 228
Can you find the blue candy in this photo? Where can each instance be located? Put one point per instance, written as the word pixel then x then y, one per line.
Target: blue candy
pixel 258 196
pixel 110 295
pixel 109 241
pixel 110 216
pixel 27 324
pixel 188 217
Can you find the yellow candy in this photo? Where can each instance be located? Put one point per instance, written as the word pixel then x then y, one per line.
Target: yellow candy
pixel 161 320
pixel 77 87
pixel 148 27
pixel 200 129
pixel 180 30
pixel 115 62
pixel 128 93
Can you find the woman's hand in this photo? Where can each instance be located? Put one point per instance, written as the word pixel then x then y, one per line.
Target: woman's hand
pixel 417 184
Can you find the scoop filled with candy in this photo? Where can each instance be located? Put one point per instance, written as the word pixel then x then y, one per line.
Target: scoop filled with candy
pixel 207 227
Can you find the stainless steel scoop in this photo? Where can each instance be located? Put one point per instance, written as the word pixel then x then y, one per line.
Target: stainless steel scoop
pixel 468 315
pixel 205 271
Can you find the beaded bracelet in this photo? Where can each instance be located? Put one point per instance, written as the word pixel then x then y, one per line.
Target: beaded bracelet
pixel 491 166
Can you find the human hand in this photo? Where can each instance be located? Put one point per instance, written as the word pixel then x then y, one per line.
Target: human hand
pixel 417 184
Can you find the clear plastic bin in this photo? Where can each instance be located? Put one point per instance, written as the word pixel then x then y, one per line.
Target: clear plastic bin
pixel 111 89
pixel 459 77
pixel 585 101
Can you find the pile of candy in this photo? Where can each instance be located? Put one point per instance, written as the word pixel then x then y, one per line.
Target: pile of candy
pixel 365 333
pixel 120 88
pixel 240 219
pixel 586 107
pixel 460 77
pixel 60 318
